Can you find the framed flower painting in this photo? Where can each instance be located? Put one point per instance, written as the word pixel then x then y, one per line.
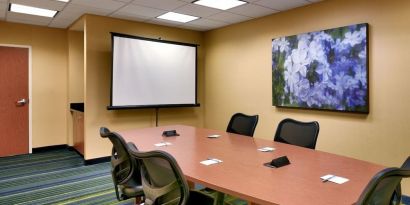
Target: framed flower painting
pixel 325 70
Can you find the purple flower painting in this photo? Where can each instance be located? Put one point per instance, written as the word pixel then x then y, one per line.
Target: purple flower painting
pixel 326 70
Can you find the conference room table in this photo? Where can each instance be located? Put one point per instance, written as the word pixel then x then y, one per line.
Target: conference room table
pixel 242 173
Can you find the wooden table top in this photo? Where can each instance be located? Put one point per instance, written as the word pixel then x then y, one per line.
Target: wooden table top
pixel 242 173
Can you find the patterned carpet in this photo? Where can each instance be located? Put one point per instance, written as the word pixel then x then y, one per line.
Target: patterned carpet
pixel 55 177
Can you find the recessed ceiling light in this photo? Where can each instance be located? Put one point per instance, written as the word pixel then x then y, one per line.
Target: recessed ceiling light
pixel 172 16
pixel 32 10
pixel 64 0
pixel 220 4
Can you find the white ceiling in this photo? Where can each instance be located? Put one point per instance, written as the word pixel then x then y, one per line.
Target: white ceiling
pixel 146 11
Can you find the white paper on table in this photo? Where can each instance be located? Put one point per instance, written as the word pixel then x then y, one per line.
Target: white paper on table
pixel 334 179
pixel 213 136
pixel 211 161
pixel 266 149
pixel 161 144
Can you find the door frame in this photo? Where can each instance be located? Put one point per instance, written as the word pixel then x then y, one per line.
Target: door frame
pixel 30 97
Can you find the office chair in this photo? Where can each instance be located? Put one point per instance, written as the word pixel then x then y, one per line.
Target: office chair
pixel 382 186
pixel 303 134
pixel 397 193
pixel 125 170
pixel 242 124
pixel 163 181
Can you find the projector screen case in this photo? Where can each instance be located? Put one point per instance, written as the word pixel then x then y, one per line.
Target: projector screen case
pixel 152 73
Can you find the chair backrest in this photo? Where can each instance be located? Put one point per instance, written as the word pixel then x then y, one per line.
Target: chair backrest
pixel 406 164
pixel 397 193
pixel 382 186
pixel 125 170
pixel 298 133
pixel 162 179
pixel 242 124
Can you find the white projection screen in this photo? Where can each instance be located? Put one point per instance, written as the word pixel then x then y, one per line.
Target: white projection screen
pixel 152 73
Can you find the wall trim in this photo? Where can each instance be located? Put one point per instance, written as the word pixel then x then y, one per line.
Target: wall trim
pixel 50 148
pixel 405 199
pixel 97 160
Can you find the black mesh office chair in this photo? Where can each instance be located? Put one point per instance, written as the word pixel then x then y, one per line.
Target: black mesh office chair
pixel 242 124
pixel 382 186
pixel 298 133
pixel 397 193
pixel 125 170
pixel 163 181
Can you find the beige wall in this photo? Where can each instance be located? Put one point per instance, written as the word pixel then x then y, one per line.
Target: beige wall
pixel 75 75
pixel 49 79
pixel 238 77
pixel 76 66
pixel 98 82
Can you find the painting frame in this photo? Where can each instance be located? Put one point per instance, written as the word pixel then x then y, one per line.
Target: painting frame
pixel 322 70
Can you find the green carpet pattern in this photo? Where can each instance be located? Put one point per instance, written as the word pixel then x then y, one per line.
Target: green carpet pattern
pixel 55 177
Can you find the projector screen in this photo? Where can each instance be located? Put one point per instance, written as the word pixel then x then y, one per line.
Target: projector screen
pixel 152 73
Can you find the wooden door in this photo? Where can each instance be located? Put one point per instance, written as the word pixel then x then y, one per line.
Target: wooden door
pixel 14 109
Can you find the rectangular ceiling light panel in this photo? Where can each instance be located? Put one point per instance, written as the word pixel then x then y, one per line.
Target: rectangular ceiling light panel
pixel 172 16
pixel 32 10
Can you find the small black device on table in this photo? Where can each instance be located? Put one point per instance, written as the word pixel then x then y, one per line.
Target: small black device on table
pixel 170 133
pixel 278 162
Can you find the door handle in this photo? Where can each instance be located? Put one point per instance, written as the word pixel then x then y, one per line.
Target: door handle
pixel 21 102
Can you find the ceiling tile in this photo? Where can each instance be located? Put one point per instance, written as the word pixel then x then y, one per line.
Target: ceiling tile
pixel 139 11
pixel 160 4
pixel 197 10
pixel 194 27
pixel 126 1
pixel 164 22
pixel 3 9
pixel 133 17
pixel 109 5
pixel 229 17
pixel 281 5
pixel 207 23
pixel 60 23
pixel 28 19
pixel 46 4
pixel 252 10
pixel 314 0
pixel 74 11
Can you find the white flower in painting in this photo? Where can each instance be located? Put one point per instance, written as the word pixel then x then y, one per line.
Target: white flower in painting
pixel 302 90
pixel 291 74
pixel 362 54
pixel 325 72
pixel 300 60
pixel 360 74
pixel 353 38
pixel 317 52
pixel 303 45
pixel 304 37
pixel 340 46
pixel 322 36
pixel 280 44
pixel 363 32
